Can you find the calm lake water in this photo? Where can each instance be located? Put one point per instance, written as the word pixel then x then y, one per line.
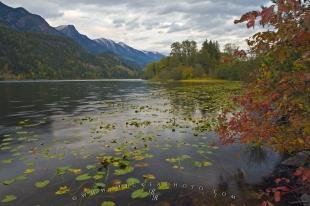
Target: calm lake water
pixel 131 142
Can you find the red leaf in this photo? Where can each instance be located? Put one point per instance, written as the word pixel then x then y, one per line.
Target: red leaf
pixel 281 6
pixel 299 172
pixel 295 4
pixel 278 180
pixel 306 175
pixel 251 22
pixel 247 16
pixel 277 196
pixel 265 203
pixel 266 15
pixel 283 189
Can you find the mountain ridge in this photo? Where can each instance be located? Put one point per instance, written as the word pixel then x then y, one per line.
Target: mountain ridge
pixel 22 20
pixel 130 55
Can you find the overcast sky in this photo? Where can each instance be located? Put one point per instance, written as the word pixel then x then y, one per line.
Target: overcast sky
pixel 148 24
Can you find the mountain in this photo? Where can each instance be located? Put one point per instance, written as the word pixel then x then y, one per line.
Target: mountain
pixel 71 32
pixel 21 20
pixel 131 56
pixel 26 55
pixel 31 49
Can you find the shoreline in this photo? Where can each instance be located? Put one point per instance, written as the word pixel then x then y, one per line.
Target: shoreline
pixel 286 184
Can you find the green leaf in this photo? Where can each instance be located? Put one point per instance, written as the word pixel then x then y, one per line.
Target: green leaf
pixel 21 177
pixel 98 176
pixel 139 194
pixel 83 177
pixel 149 177
pixel 7 140
pixel 207 164
pixel 202 164
pixel 8 198
pixel 108 203
pixel 163 186
pixel 90 167
pixel 29 171
pixel 62 190
pixel 8 161
pixel 197 164
pixel 184 157
pixel 8 182
pixel 124 171
pixel 132 181
pixel 99 185
pixel 61 170
pixel 42 184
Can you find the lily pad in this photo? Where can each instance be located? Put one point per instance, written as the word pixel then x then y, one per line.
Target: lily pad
pixel 124 171
pixel 139 194
pixel 197 164
pixel 8 182
pixel 8 161
pixel 42 184
pixel 132 181
pixel 75 171
pixel 149 177
pixel 98 176
pixel 206 164
pixel 62 190
pixel 202 164
pixel 61 170
pixel 83 177
pixel 29 171
pixel 108 203
pixel 7 140
pixel 163 186
pixel 8 198
pixel 90 167
pixel 99 185
pixel 21 177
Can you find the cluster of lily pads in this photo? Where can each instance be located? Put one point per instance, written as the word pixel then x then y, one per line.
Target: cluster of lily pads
pixel 121 157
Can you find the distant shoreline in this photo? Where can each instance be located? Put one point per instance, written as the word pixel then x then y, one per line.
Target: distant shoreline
pixel 72 80
pixel 202 80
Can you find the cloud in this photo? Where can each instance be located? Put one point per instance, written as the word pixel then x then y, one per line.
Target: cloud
pixel 177 27
pixel 151 24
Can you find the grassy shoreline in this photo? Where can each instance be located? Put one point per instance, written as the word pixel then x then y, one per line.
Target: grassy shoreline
pixel 201 80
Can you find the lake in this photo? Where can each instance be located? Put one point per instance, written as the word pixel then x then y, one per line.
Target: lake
pixel 123 142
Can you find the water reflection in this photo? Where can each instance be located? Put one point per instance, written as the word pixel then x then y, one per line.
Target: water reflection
pixel 144 127
pixel 257 155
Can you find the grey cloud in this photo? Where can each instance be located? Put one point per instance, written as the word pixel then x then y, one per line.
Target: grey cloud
pixel 119 22
pixel 177 28
pixel 133 24
pixel 159 22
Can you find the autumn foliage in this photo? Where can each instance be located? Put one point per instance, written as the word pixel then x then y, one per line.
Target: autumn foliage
pixel 274 109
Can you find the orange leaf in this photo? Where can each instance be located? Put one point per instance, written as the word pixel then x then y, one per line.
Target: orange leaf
pixel 277 196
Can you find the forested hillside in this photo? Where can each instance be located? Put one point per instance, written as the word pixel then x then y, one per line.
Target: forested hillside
pixel 25 55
